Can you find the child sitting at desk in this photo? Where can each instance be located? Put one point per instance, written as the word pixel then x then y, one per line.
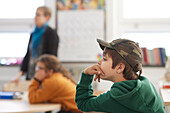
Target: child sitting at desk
pixel 130 93
pixel 53 83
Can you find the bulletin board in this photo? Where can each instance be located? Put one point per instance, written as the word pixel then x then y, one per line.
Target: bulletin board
pixel 78 31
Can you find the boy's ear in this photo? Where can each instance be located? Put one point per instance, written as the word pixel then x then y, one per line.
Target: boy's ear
pixel 120 68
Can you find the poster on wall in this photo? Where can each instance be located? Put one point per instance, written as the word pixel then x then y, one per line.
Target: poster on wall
pixel 79 24
pixel 80 5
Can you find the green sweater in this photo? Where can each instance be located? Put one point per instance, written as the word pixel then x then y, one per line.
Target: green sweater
pixel 132 96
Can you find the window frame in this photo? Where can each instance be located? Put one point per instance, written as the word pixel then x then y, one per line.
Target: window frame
pixel 141 24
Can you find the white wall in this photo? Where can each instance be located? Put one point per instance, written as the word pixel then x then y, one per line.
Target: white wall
pixel 52 5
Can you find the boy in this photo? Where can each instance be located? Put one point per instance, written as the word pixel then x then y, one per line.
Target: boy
pixel 130 93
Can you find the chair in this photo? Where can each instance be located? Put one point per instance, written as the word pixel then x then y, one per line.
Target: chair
pixel 22 86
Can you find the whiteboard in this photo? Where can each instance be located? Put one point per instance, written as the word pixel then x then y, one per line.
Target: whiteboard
pixel 78 31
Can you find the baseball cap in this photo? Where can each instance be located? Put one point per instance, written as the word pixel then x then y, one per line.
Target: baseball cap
pixel 127 49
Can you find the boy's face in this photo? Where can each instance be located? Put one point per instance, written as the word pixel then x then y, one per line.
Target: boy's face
pixel 106 66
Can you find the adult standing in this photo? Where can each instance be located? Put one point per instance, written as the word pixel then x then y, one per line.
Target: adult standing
pixel 43 40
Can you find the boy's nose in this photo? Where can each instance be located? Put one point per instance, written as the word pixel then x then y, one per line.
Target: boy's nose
pixel 100 62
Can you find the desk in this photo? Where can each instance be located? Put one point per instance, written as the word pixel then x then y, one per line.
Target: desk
pixel 165 93
pixel 19 106
pixel 23 106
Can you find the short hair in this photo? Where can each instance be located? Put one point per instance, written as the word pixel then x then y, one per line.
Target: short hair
pixel 128 72
pixel 46 10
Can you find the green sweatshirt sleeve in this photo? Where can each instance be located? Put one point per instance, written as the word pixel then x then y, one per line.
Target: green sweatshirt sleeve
pixel 85 99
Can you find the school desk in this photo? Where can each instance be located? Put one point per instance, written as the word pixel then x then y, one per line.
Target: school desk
pixel 165 93
pixel 23 106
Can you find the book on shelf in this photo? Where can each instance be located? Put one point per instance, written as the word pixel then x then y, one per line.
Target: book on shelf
pixel 154 57
pixel 145 58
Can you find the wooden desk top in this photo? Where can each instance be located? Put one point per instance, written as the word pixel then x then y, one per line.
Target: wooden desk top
pixel 23 106
pixel 165 93
pixel 19 106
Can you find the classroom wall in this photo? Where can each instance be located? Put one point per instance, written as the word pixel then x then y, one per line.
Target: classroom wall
pixel 52 5
pixel 8 73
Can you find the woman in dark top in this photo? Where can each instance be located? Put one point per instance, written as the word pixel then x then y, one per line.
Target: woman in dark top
pixel 43 40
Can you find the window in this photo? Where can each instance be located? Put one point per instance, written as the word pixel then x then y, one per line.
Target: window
pixel 150 39
pixel 18 15
pixel 19 9
pixel 146 9
pixel 16 23
pixel 145 21
pixel 13 46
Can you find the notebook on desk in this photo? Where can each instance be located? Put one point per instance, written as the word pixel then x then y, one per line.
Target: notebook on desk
pixel 10 95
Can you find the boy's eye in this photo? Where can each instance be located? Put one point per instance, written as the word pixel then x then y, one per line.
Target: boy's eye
pixel 104 59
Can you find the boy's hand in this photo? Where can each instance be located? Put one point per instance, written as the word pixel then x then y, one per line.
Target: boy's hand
pixel 94 70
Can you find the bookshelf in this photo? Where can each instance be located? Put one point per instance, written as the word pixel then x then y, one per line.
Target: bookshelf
pixel 155 57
